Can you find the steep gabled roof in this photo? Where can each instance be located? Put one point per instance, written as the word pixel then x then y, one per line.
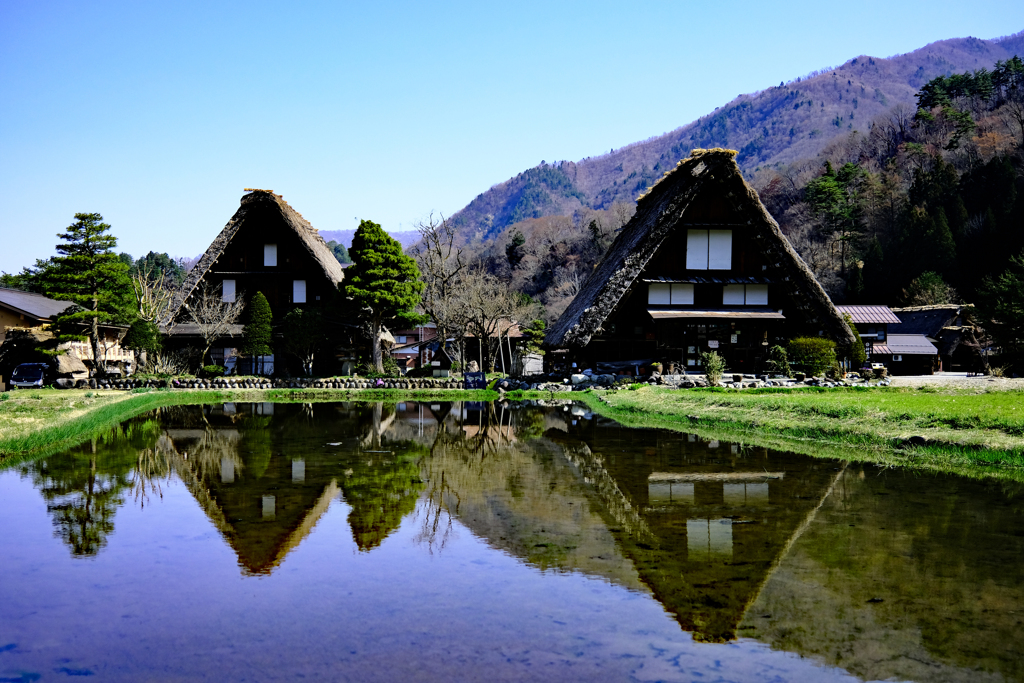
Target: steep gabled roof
pixel 261 200
pixel 658 213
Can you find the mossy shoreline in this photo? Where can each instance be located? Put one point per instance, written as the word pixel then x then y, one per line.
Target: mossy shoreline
pixel 983 437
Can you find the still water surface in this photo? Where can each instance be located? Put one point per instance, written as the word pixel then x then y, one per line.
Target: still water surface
pixel 459 541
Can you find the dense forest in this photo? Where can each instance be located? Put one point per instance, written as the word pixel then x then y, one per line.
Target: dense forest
pixel 925 207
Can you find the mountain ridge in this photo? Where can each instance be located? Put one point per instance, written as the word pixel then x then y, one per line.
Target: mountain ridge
pixel 769 128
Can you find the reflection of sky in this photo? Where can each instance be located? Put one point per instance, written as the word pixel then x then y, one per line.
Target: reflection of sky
pixel 166 595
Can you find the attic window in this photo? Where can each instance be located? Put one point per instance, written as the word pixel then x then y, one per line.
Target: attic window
pixel 270 254
pixel 228 291
pixel 298 291
pixel 665 294
pixel 709 249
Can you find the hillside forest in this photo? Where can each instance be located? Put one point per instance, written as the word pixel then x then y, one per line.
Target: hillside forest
pixel 926 206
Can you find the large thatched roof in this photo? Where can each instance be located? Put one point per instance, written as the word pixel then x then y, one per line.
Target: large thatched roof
pixel 261 202
pixel 658 214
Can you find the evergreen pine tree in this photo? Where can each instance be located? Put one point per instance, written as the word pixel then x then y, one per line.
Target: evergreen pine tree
pixel 88 273
pixel 143 337
pixel 384 283
pixel 257 333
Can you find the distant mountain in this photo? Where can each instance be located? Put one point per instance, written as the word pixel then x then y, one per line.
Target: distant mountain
pixel 770 128
pixel 406 237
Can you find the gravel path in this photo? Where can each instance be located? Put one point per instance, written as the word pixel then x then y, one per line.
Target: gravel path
pixel 960 380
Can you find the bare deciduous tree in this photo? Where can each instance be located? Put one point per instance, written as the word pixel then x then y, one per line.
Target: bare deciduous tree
pixel 152 296
pixel 442 267
pixel 212 316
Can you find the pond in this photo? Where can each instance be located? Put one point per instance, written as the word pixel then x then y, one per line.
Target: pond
pixel 498 542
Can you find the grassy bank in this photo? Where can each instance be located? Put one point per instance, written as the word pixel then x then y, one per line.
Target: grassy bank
pixel 964 431
pixel 38 422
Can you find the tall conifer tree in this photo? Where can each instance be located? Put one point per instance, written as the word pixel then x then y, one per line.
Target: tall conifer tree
pixel 88 273
pixel 384 283
pixel 257 333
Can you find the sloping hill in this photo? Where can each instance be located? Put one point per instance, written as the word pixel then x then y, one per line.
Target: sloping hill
pixel 407 238
pixel 772 127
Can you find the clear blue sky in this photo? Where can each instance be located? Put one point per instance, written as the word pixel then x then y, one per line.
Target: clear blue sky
pixel 157 115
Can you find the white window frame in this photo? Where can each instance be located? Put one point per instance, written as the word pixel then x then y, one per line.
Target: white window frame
pixel 269 254
pixel 298 291
pixel 682 294
pixel 719 249
pixel 745 295
pixel 733 295
pixel 696 249
pixel 659 294
pixel 757 295
pixel 228 291
pixel 709 249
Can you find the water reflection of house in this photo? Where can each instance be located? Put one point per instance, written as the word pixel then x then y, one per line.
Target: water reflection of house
pixel 263 500
pixel 704 522
pixel 903 578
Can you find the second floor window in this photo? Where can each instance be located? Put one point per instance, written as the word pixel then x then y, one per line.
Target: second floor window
pixel 228 291
pixel 668 294
pixel 745 295
pixel 298 291
pixel 270 254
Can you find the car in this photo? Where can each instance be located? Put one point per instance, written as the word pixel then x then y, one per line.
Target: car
pixel 878 366
pixel 28 376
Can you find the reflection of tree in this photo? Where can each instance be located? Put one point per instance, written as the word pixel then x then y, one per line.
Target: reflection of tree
pixel 381 492
pixel 383 488
pixel 83 487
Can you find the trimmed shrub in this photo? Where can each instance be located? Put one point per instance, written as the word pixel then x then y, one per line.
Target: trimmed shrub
pixel 211 371
pixel 813 355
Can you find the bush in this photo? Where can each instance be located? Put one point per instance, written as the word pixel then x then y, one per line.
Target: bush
pixel 813 355
pixel 210 371
pixel 714 366
pixel 777 362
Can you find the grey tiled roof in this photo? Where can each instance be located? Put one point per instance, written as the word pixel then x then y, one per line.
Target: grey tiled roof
pixel 35 305
pixel 869 314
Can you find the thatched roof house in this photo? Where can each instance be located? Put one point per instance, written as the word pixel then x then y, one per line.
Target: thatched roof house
pixel 701 265
pixel 268 247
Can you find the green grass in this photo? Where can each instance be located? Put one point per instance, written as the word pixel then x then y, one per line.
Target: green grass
pixel 964 431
